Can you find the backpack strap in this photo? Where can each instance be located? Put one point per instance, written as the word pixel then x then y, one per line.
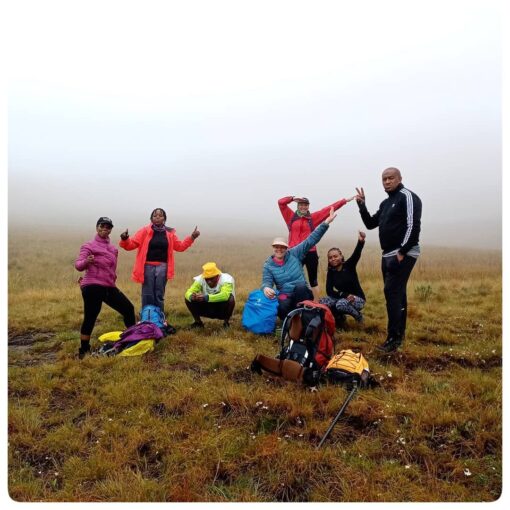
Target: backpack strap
pixel 296 217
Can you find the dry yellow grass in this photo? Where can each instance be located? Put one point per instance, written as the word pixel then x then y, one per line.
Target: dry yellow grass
pixel 190 422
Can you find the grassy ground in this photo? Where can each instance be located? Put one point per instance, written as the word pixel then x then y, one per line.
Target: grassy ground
pixel 190 422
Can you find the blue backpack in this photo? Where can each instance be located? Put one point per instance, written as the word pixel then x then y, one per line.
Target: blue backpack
pixel 259 314
pixel 152 313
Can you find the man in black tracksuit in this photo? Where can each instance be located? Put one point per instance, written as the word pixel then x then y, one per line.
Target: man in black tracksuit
pixel 399 221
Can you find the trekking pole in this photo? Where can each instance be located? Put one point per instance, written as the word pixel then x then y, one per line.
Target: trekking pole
pixel 337 417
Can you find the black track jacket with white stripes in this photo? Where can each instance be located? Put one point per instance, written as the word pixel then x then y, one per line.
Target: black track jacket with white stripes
pixel 398 219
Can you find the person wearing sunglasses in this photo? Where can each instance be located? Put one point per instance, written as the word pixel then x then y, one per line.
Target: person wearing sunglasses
pixel 98 258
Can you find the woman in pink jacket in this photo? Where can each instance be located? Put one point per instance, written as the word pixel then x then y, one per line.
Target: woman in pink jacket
pixel 98 258
pixel 154 263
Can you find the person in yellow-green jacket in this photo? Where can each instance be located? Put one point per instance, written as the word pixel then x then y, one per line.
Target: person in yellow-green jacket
pixel 211 295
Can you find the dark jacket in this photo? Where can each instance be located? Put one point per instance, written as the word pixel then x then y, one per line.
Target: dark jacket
pixel 398 219
pixel 339 284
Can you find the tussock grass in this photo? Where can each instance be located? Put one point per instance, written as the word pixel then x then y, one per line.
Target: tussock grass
pixel 190 422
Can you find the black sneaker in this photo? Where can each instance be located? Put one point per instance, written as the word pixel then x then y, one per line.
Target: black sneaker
pixel 83 351
pixel 391 345
pixel 197 325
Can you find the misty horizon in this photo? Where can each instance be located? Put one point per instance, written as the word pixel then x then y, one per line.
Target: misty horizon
pixel 203 117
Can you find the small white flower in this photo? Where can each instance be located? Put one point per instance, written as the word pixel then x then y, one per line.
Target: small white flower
pixel 467 472
pixel 407 466
pixel 110 419
pixel 223 404
pixel 286 436
pixel 300 435
pixel 205 405
pixel 259 403
pixel 264 407
pixel 56 473
pixel 389 374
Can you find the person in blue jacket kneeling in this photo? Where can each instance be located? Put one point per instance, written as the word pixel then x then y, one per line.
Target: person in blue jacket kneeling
pixel 284 270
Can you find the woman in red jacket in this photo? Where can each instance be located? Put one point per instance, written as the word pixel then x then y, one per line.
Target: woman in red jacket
pixel 300 224
pixel 154 263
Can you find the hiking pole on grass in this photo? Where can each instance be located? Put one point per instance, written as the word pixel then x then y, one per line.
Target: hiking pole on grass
pixel 342 409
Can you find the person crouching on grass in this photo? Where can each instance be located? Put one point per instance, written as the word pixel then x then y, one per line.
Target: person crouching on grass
pixel 344 293
pixel 98 258
pixel 154 263
pixel 211 295
pixel 284 270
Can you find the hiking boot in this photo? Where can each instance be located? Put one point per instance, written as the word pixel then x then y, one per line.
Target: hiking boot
pixel 226 324
pixel 83 351
pixel 391 345
pixel 197 325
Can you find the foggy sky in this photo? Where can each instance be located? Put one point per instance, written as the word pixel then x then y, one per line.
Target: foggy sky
pixel 214 110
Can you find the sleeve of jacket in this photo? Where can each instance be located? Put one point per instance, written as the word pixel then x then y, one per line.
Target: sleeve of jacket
pixel 223 294
pixel 353 260
pixel 320 216
pixel 413 215
pixel 286 211
pixel 303 248
pixel 132 243
pixel 267 277
pixel 370 222
pixel 330 289
pixel 182 245
pixel 81 262
pixel 195 287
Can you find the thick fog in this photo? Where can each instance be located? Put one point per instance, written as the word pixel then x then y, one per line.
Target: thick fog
pixel 214 110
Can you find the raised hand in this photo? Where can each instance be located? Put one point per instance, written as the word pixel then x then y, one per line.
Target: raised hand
pixel 124 235
pixel 360 197
pixel 331 217
pixel 361 235
pixel 195 233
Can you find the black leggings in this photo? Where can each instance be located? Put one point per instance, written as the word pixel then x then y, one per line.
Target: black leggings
pixel 311 261
pixel 93 298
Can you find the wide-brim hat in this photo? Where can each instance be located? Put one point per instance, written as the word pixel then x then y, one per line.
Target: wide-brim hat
pixel 210 270
pixel 279 241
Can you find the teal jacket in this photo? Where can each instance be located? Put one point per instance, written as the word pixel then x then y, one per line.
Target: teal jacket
pixel 286 276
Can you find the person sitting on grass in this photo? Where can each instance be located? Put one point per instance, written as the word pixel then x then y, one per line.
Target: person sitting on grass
pixel 98 258
pixel 211 295
pixel 344 293
pixel 284 270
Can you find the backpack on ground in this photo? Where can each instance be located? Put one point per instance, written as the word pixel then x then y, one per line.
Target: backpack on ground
pixel 259 313
pixel 306 345
pixel 134 341
pixel 348 367
pixel 154 314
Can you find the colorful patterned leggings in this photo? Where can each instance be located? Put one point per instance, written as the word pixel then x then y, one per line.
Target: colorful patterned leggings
pixel 343 306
